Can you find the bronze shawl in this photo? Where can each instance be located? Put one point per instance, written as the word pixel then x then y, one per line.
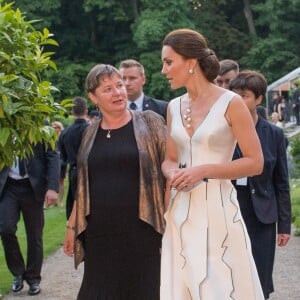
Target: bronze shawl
pixel 150 134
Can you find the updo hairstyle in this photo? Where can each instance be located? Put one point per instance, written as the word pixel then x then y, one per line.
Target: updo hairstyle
pixel 191 44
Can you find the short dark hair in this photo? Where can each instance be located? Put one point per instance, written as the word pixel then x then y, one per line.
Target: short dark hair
pixel 261 111
pixel 80 106
pixel 130 63
pixel 97 73
pixel 250 80
pixel 227 65
pixel 94 113
pixel 191 44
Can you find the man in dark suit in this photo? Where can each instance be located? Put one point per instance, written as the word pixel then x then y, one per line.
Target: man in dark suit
pixel 133 74
pixel 24 187
pixel 264 199
pixel 68 144
pixel 228 71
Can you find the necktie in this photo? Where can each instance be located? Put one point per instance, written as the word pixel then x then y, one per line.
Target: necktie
pixel 132 106
pixel 22 167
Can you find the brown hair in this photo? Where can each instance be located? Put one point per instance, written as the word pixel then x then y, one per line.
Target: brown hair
pixel 250 80
pixel 80 106
pixel 191 44
pixel 227 65
pixel 129 63
pixel 97 73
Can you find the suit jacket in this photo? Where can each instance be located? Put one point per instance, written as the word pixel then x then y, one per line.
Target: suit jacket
pixel 69 141
pixel 158 106
pixel 269 191
pixel 42 169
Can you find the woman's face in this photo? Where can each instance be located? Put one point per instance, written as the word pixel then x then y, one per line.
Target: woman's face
pixel 175 67
pixel 110 95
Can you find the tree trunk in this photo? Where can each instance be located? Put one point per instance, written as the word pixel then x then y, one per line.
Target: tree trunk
pixel 135 10
pixel 249 18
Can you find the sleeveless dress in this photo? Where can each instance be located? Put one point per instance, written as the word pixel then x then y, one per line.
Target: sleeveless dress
pixel 206 251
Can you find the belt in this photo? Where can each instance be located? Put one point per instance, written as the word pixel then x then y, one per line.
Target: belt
pixel 17 181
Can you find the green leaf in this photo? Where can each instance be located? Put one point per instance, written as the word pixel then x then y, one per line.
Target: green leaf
pixel 4 134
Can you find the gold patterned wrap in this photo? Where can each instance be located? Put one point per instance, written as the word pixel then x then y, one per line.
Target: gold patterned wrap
pixel 150 135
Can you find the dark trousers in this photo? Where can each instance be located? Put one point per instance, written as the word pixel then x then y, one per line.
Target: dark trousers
pixel 71 191
pixel 263 241
pixel 18 197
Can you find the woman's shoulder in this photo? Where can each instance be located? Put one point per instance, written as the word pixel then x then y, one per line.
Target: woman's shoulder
pixel 177 99
pixel 175 102
pixel 151 116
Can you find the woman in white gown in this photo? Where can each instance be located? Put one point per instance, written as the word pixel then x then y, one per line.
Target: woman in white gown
pixel 206 251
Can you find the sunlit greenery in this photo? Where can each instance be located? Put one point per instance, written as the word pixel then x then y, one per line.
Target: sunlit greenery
pixel 26 97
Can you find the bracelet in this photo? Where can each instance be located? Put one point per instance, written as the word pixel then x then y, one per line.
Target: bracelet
pixel 70 227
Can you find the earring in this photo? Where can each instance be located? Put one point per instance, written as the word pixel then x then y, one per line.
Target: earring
pixel 191 71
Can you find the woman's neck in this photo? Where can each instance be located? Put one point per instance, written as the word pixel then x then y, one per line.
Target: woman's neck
pixel 113 121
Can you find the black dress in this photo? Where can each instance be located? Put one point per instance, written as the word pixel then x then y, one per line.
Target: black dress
pixel 122 253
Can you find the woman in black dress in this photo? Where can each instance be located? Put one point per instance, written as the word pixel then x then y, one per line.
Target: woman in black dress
pixel 117 220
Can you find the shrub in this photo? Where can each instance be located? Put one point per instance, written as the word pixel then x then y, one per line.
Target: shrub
pixel 25 96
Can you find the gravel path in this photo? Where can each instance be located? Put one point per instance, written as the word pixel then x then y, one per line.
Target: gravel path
pixel 61 281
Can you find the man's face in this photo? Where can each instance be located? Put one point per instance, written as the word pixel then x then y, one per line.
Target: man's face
pixel 134 81
pixel 225 79
pixel 250 99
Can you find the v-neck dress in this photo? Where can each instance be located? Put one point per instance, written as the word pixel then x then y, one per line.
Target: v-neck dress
pixel 206 251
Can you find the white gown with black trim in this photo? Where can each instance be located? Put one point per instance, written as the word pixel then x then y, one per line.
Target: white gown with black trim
pixel 206 251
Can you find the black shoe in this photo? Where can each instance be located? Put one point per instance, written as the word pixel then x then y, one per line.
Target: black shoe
pixel 17 284
pixel 34 289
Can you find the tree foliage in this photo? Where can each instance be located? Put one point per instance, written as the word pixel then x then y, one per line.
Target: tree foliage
pixel 26 97
pixel 259 34
pixel 276 51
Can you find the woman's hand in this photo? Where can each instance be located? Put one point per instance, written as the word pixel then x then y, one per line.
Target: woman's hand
pixel 186 178
pixel 69 242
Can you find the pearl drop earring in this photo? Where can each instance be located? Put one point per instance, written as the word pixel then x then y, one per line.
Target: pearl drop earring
pixel 191 71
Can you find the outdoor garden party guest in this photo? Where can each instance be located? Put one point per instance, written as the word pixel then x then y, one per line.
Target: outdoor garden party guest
pixel 206 251
pixel 264 199
pixel 68 144
pixel 59 127
pixel 118 212
pixel 228 70
pixel 133 74
pixel 24 188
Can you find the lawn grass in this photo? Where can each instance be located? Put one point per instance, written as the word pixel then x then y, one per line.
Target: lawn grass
pixel 295 198
pixel 54 231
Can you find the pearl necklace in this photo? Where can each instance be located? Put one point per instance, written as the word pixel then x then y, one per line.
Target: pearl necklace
pixel 188 115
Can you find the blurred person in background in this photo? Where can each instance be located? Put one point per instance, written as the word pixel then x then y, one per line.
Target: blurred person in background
pixel 227 72
pixel 24 188
pixel 264 199
pixel 59 127
pixel 69 142
pixel 134 77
